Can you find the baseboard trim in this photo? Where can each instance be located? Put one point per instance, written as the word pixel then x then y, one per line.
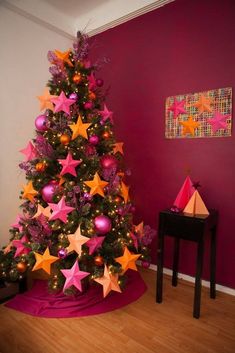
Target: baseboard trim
pixel 191 279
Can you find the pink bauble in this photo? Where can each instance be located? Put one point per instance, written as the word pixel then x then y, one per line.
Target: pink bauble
pixel 99 82
pixel 48 191
pixel 94 139
pixel 88 105
pixel 145 264
pixel 102 224
pixel 108 162
pixel 73 96
pixel 40 123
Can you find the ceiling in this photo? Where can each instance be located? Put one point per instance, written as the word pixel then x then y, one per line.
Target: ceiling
pixel 91 16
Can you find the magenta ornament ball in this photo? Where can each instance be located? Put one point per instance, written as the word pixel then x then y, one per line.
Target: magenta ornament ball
pixel 102 224
pixel 40 123
pixel 99 82
pixel 145 264
pixel 73 96
pixel 62 253
pixel 108 162
pixel 48 191
pixel 88 105
pixel 94 139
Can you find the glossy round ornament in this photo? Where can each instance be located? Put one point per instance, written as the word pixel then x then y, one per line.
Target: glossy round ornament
pixel 40 123
pixel 77 78
pixel 145 264
pixel 62 253
pixel 92 96
pixel 40 167
pixel 99 260
pixel 99 82
pixel 108 161
pixel 106 135
pixel 65 139
pixel 88 105
pixel 94 140
pixel 102 224
pixel 48 191
pixel 73 96
pixel 21 267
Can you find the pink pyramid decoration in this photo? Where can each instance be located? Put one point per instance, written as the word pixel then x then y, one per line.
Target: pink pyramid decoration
pixel 184 194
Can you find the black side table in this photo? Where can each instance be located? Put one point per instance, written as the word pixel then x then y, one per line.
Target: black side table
pixel 181 226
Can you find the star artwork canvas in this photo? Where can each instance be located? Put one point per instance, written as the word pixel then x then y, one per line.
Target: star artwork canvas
pixel 198 115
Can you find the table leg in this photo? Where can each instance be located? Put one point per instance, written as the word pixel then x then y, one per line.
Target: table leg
pixel 213 263
pixel 175 262
pixel 160 256
pixel 197 290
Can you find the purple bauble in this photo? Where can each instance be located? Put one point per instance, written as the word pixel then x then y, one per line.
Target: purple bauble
pixel 99 82
pixel 88 105
pixel 108 162
pixel 103 224
pixel 62 253
pixel 94 139
pixel 73 96
pixel 40 123
pixel 48 191
pixel 145 264
pixel 87 196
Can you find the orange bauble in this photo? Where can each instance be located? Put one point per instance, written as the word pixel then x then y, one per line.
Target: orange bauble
pixel 40 167
pixel 106 135
pixel 99 261
pixel 118 199
pixel 21 267
pixel 92 96
pixel 77 78
pixel 64 139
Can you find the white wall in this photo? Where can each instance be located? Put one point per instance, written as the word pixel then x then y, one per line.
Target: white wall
pixel 23 76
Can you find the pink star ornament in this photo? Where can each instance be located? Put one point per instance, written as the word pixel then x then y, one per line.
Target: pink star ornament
pixel 60 210
pixel 29 151
pixel 62 103
pixel 17 223
pixel 20 247
pixel 177 108
pixel 92 81
pixel 74 276
pixel 219 121
pixel 94 244
pixel 69 164
pixel 106 114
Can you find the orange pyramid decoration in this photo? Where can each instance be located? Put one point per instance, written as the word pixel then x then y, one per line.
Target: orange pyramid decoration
pixel 184 194
pixel 196 206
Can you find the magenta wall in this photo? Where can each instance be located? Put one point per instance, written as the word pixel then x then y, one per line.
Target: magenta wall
pixel 183 47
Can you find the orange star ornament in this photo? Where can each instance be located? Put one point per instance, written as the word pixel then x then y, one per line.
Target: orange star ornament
pixel 127 260
pixel 189 126
pixel 203 104
pixel 29 192
pixel 45 100
pixel 76 241
pixel 79 128
pixel 64 56
pixel 125 191
pixel 41 210
pixel 140 229
pixel 118 147
pixel 109 282
pixel 97 185
pixel 44 261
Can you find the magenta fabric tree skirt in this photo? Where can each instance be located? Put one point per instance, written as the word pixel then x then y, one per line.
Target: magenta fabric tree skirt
pixel 38 302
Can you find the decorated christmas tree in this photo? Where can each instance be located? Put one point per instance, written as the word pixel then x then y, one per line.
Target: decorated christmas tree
pixel 76 218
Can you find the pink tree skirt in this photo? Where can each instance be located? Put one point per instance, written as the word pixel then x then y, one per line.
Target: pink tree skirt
pixel 38 302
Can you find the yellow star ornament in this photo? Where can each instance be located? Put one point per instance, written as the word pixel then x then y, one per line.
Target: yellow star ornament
pixel 45 100
pixel 76 241
pixel 44 261
pixel 203 104
pixel 125 191
pixel 109 282
pixel 118 147
pixel 97 185
pixel 29 192
pixel 79 128
pixel 189 126
pixel 64 56
pixel 127 260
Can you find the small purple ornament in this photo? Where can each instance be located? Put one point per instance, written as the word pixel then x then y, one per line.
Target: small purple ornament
pixel 99 82
pixel 88 105
pixel 103 224
pixel 62 253
pixel 87 196
pixel 48 191
pixel 145 264
pixel 73 96
pixel 40 123
pixel 94 139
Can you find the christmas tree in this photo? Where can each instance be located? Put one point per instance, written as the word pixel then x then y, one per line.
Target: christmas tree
pixel 76 218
